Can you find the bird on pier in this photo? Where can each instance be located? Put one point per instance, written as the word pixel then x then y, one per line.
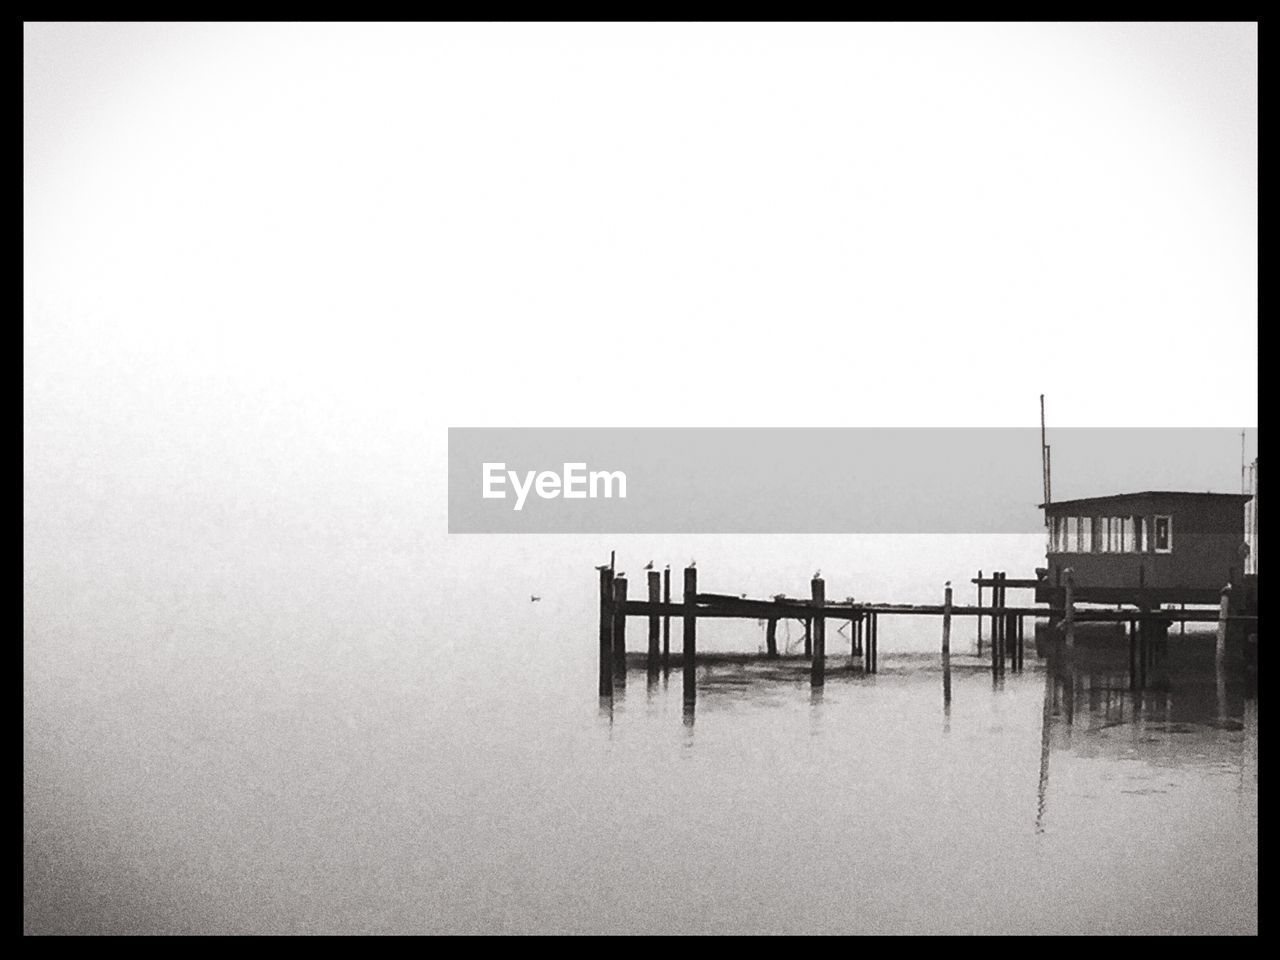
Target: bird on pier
pixel 693 563
pixel 534 598
pixel 604 566
pixel 649 565
pixel 817 575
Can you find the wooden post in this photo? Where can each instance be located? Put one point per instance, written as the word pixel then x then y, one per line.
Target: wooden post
pixel 946 623
pixel 655 593
pixel 771 638
pixel 875 643
pixel 946 645
pixel 1022 642
pixel 1224 610
pixel 997 626
pixel 1133 655
pixel 1010 631
pixel 995 616
pixel 690 632
pixel 606 632
pixel 857 634
pixel 808 636
pixel 1001 622
pixel 818 670
pixel 1069 608
pixel 620 627
pixel 666 620
pixel 979 615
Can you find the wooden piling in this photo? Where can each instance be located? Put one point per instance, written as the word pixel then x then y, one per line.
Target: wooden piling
pixel 875 643
pixel 606 632
pixel 620 628
pixel 818 669
pixel 808 636
pixel 655 594
pixel 1022 641
pixel 979 618
pixel 1069 608
pixel 1133 655
pixel 993 638
pixel 946 645
pixel 690 633
pixel 946 623
pixel 1224 610
pixel 666 620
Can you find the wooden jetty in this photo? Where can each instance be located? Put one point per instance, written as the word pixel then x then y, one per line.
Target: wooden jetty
pixel 1007 622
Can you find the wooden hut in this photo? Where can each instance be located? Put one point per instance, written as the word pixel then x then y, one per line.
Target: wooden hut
pixel 1147 548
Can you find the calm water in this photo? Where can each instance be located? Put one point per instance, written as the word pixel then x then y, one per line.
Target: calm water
pixel 275 765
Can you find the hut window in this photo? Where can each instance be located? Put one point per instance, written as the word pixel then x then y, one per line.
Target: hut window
pixel 1163 534
pixel 1116 534
pixel 1071 534
pixel 1126 535
pixel 1140 534
pixel 1086 534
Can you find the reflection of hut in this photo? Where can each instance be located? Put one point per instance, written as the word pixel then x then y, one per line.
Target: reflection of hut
pixel 1147 548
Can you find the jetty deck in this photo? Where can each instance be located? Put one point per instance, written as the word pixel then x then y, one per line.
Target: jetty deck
pixel 1147 626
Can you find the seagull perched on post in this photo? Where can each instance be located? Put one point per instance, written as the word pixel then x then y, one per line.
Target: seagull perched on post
pixel 649 565
pixel 604 566
pixel 817 574
pixel 693 563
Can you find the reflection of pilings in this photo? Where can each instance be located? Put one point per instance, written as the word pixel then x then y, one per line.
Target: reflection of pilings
pixel 1046 718
pixel 1220 687
pixel 1069 688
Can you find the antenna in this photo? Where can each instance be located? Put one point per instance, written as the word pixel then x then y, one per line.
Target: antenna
pixel 1044 462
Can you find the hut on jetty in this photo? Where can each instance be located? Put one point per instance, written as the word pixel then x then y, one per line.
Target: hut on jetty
pixel 1147 549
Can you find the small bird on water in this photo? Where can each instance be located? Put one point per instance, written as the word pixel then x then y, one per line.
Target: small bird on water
pixel 534 598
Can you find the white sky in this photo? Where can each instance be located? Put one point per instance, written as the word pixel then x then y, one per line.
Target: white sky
pixel 293 255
